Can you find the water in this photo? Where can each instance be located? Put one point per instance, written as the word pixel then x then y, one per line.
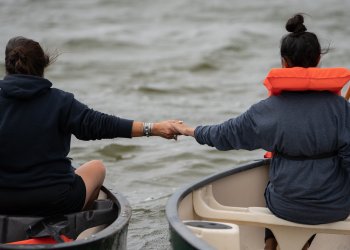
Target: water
pixel 151 60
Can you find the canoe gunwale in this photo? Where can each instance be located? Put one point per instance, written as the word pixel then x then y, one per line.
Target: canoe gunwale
pixel 173 203
pixel 122 221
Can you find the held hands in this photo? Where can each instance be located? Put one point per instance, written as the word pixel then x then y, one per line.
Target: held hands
pixel 169 129
pixel 183 129
pixel 166 129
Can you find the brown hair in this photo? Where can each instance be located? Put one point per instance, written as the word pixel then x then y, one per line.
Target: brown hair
pixel 25 56
pixel 300 48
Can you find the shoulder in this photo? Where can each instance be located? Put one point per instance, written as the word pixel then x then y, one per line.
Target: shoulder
pixel 61 95
pixel 263 106
pixel 60 98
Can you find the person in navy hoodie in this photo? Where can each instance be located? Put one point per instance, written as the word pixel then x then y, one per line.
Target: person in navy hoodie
pixel 36 124
pixel 309 133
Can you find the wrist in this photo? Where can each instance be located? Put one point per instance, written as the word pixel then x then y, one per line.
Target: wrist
pixel 148 129
pixel 190 131
pixel 155 129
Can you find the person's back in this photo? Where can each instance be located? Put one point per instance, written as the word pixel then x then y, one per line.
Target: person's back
pixel 308 132
pixel 34 132
pixel 37 121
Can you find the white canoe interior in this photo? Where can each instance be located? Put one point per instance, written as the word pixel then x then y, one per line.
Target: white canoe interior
pixel 237 200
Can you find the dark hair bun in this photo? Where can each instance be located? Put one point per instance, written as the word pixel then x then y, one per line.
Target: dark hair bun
pixel 296 24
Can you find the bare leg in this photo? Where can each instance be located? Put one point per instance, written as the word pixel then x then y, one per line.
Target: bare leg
pixel 306 246
pixel 93 174
pixel 270 244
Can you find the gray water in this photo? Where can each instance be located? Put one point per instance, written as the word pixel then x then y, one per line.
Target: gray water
pixel 150 60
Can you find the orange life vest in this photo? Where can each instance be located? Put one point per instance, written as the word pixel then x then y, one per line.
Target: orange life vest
pixel 304 79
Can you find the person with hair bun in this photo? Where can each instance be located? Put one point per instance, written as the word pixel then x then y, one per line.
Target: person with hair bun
pixel 306 125
pixel 37 122
pixel 299 48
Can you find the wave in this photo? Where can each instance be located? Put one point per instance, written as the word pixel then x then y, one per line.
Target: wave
pixel 119 152
pixel 105 43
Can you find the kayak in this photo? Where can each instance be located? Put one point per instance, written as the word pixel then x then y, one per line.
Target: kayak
pixel 227 210
pixel 104 227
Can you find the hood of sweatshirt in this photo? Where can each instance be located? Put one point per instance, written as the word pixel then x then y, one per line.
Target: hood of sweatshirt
pixel 23 86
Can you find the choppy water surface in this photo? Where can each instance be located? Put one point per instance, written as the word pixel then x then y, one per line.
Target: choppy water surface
pixel 151 60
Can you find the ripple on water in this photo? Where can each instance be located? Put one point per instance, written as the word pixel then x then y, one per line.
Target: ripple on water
pixel 148 235
pixel 104 44
pixel 203 67
pixel 165 89
pixel 119 152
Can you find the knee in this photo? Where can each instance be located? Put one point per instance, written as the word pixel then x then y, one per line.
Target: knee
pixel 99 167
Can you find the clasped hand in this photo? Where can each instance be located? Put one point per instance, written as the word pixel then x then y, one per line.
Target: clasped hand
pixel 170 129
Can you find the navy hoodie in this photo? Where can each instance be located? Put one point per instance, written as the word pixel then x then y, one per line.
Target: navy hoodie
pixel 309 178
pixel 36 124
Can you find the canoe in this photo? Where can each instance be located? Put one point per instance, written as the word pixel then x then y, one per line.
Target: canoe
pixel 227 210
pixel 104 227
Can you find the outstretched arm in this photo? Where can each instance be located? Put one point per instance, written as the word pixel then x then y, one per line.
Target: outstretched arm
pixel 242 132
pixel 88 124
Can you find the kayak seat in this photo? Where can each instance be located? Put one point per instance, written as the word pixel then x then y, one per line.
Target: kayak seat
pixel 289 235
pixel 17 228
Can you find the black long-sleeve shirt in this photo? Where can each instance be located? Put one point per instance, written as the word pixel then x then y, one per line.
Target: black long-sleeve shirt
pixel 310 131
pixel 36 124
